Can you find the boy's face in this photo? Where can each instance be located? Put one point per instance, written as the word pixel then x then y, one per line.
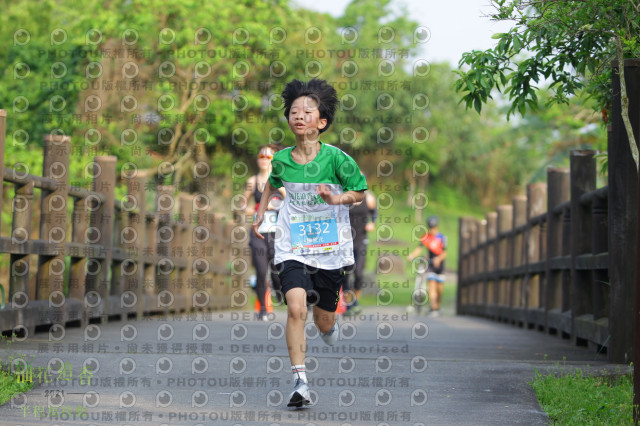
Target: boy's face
pixel 304 117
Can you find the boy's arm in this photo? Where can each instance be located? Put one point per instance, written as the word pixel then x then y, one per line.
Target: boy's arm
pixel 267 193
pixel 348 197
pixel 373 211
pixel 276 205
pixel 415 253
pixel 437 260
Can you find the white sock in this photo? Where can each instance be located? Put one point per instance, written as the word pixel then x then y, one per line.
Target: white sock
pixel 299 372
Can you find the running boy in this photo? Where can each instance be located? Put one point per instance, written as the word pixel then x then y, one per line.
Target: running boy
pixel 436 244
pixel 313 235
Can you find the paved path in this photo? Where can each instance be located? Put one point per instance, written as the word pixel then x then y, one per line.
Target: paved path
pixel 226 368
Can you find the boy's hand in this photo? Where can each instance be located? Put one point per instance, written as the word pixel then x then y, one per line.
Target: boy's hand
pixel 256 225
pixel 325 193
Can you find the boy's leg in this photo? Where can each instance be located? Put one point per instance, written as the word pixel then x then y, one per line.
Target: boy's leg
pixel 324 320
pixel 295 284
pixel 440 289
pixel 296 343
pixel 327 283
pixel 296 317
pixel 433 295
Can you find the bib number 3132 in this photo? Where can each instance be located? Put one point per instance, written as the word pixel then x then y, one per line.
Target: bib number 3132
pixel 313 233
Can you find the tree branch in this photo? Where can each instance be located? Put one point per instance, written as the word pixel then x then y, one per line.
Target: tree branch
pixel 624 102
pixel 178 129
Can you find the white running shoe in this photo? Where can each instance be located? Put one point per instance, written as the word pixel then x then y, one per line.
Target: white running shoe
pixel 300 395
pixel 331 336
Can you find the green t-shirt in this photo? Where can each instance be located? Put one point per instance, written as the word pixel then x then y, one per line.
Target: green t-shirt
pixel 308 229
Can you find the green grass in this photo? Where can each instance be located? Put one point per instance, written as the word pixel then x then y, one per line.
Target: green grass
pixel 9 383
pixel 401 288
pixel 402 220
pixel 10 386
pixel 574 398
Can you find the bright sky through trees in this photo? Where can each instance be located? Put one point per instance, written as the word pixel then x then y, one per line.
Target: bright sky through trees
pixel 456 26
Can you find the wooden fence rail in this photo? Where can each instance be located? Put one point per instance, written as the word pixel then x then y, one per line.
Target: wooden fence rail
pixel 542 262
pixel 100 258
pixel 564 258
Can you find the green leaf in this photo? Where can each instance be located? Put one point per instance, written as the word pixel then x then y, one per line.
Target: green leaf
pixel 503 79
pixel 477 104
pixel 517 44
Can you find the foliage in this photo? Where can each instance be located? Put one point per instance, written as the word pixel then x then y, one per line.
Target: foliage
pixel 575 398
pixel 10 386
pixel 11 383
pixel 189 89
pixel 565 44
pixel 493 159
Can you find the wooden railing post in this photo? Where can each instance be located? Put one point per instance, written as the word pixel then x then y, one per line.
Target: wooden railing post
pixel 463 265
pixel 150 260
pixel 471 260
pixel 20 235
pixel 491 260
pixel 136 191
pixel 199 205
pixel 79 225
pixel 459 308
pixel 214 281
pixel 583 180
pixel 207 278
pixel 517 249
pixel 118 276
pixel 53 216
pixel 536 206
pixel 505 222
pixel 623 218
pixel 184 254
pixel 600 245
pixel 165 203
pixel 101 233
pixel 226 251
pixel 481 261
pixel 557 194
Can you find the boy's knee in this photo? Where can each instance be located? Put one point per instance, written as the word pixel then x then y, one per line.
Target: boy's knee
pixel 297 312
pixel 324 320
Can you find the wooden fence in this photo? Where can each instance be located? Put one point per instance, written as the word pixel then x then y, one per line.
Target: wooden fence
pixel 101 258
pixel 564 257
pixel 543 260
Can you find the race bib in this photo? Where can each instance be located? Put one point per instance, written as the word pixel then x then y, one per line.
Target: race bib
pixel 313 233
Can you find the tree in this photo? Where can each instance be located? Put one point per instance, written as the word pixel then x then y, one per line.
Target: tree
pixel 223 68
pixel 569 46
pixel 565 44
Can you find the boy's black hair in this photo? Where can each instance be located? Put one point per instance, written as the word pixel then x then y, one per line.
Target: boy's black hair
pixel 319 90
